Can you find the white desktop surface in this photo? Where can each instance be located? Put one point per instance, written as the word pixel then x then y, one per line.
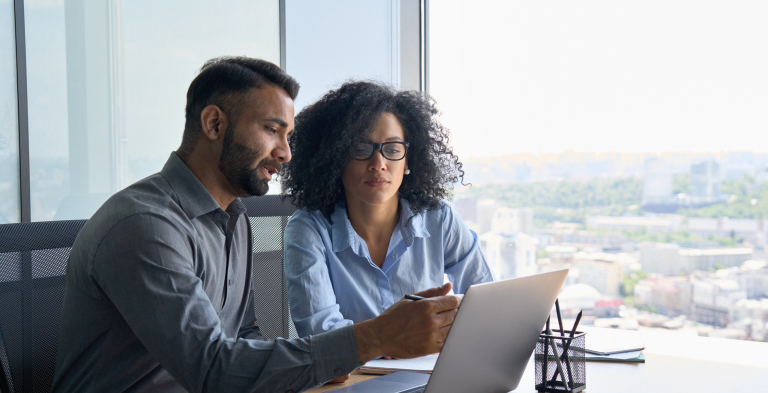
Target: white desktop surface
pixel 677 363
pixel 673 363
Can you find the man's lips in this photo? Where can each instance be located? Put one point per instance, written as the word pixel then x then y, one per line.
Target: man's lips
pixel 268 171
pixel 377 182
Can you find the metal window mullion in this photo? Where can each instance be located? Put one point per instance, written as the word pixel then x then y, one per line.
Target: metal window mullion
pixel 282 36
pixel 23 108
pixel 424 46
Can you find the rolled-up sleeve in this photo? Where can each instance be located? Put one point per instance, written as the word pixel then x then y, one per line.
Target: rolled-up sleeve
pixel 144 266
pixel 464 262
pixel 314 308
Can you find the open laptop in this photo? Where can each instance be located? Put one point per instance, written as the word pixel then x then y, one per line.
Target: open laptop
pixel 490 342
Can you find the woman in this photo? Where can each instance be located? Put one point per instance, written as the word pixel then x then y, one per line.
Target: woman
pixel 370 169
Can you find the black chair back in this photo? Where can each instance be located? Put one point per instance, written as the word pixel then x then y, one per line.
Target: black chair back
pixel 268 216
pixel 33 259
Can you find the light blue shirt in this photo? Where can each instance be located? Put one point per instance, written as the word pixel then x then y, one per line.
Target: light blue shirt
pixel 332 281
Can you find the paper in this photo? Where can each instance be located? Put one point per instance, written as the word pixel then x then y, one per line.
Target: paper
pixel 610 342
pixel 626 357
pixel 424 364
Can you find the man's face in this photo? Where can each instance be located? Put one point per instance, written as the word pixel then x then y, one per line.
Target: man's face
pixel 256 146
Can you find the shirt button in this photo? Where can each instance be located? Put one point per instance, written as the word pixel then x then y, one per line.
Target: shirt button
pixel 218 215
pixel 230 281
pixel 337 372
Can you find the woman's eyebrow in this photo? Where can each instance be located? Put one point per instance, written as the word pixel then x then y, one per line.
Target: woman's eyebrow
pixel 394 138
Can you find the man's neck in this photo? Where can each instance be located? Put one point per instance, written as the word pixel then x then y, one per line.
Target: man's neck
pixel 374 222
pixel 211 178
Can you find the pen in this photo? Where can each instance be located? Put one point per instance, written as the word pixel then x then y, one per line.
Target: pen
pixel 546 354
pixel 568 344
pixel 414 297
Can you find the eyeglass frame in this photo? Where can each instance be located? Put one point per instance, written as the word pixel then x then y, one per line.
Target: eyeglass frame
pixel 379 147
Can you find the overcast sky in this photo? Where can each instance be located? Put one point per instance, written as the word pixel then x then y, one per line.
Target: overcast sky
pixel 533 76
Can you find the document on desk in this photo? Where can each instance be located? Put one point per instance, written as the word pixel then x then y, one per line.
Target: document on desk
pixel 608 343
pixel 623 357
pixel 424 364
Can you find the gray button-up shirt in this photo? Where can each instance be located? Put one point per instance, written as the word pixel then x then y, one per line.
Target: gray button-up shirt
pixel 159 298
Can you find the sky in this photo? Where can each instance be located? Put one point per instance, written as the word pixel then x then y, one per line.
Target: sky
pixel 600 76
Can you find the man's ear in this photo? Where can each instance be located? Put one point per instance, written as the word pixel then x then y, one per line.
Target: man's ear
pixel 214 122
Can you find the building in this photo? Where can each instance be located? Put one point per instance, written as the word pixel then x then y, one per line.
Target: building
pixel 752 277
pixel 506 219
pixel 672 259
pixel 705 181
pixel 510 254
pixel 665 224
pixel 692 259
pixel 713 299
pixel 668 295
pixel 661 258
pixel 466 208
pixel 657 181
pixel 604 272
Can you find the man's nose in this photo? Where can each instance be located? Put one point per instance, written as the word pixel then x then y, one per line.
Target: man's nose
pixel 282 152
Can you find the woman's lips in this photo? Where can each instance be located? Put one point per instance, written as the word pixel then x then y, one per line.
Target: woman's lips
pixel 377 182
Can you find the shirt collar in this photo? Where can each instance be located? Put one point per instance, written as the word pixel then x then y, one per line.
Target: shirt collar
pixel 194 198
pixel 411 226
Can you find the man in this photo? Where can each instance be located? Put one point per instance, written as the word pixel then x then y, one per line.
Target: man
pixel 159 280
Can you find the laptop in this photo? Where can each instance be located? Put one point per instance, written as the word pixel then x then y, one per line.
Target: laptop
pixel 490 342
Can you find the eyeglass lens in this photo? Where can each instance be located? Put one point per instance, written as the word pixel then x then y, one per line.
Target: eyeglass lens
pixel 390 150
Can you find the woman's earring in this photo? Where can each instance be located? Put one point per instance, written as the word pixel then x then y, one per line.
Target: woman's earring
pixel 407 171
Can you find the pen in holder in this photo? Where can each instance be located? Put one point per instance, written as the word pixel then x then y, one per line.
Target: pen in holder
pixel 559 361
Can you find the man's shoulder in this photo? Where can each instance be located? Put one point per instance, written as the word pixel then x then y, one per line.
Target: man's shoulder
pixel 150 198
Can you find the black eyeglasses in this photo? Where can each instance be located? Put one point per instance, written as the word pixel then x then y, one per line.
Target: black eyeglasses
pixel 393 151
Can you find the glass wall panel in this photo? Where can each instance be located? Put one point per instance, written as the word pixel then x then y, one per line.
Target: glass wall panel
pixel 108 82
pixel 328 43
pixel 10 209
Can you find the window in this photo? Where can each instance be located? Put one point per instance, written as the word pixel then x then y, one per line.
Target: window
pixel 633 135
pixel 107 83
pixel 10 204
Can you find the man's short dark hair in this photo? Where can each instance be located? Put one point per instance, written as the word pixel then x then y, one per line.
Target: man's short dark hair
pixel 222 82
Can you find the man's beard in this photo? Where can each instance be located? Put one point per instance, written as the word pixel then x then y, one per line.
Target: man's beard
pixel 235 163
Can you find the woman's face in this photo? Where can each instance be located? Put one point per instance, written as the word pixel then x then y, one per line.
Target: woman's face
pixel 376 180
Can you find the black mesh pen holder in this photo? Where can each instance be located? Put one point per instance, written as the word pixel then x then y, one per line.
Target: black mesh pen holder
pixel 559 361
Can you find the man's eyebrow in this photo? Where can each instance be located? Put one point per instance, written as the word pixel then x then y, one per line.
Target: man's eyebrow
pixel 279 121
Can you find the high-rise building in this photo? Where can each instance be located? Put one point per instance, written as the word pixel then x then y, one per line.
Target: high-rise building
pixel 657 181
pixel 510 254
pixel 705 181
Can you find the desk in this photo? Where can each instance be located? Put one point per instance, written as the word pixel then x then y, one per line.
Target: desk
pixel 674 363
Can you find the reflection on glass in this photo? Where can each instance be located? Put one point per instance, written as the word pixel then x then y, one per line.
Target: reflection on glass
pixel 108 83
pixel 9 143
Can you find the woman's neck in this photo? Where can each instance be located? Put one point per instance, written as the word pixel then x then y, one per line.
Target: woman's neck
pixel 374 223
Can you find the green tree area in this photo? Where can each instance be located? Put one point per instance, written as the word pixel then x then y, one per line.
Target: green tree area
pixel 565 201
pixel 571 200
pixel 682 237
pixel 747 199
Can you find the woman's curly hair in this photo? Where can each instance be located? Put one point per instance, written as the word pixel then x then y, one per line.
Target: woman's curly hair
pixel 326 129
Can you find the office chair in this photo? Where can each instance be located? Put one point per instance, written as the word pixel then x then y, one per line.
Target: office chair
pixel 33 258
pixel 268 215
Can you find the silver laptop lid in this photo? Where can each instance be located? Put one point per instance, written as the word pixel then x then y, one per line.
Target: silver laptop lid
pixel 494 334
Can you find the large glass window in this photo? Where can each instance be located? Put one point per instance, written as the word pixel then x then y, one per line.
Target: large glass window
pixel 107 87
pixel 622 140
pixel 10 208
pixel 328 43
